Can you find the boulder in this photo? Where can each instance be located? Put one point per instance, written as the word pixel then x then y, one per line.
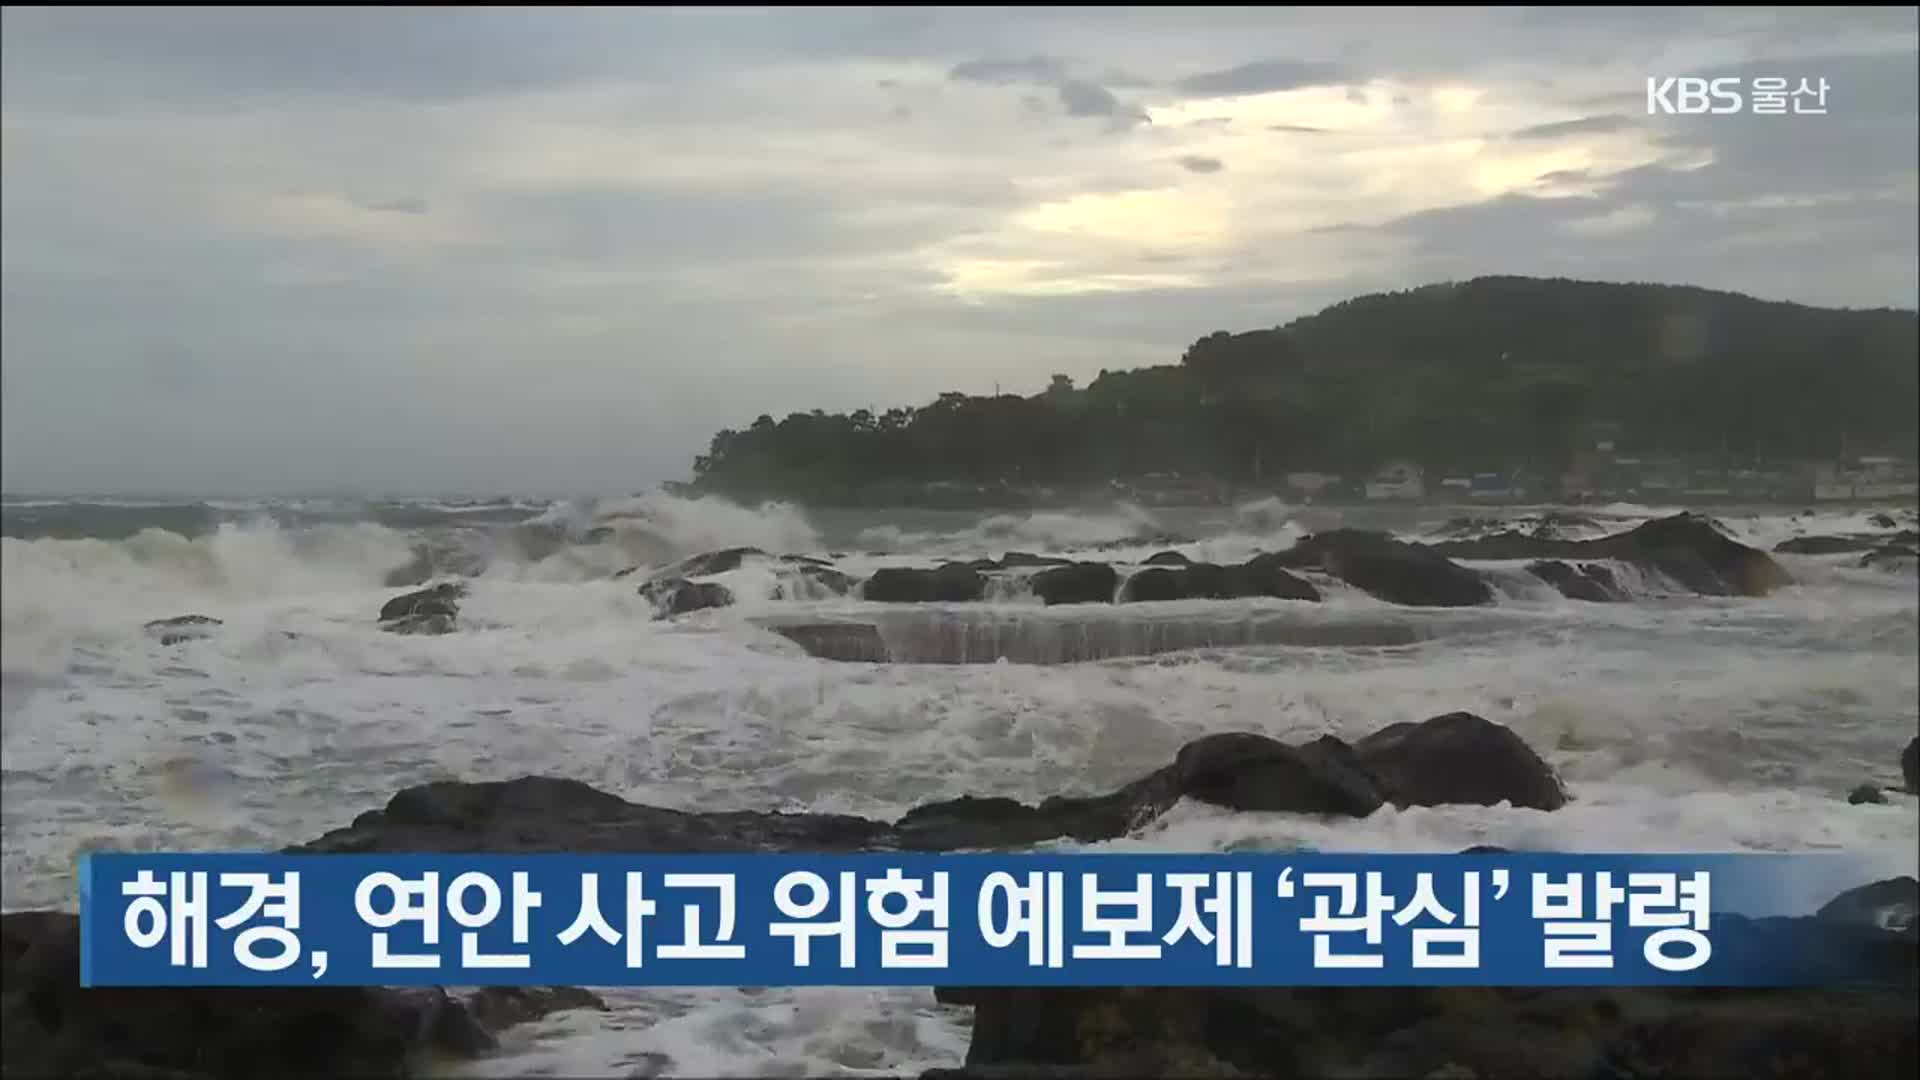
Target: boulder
pixel 1389 569
pixel 55 1028
pixel 1576 584
pixel 1407 764
pixel 1257 577
pixel 675 596
pixel 1167 558
pixel 1866 794
pixel 1459 758
pixel 1687 548
pixel 1015 560
pixel 1080 583
pixel 954 583
pixel 426 611
pixel 1891 557
pixel 1883 521
pixel 1264 576
pixel 708 563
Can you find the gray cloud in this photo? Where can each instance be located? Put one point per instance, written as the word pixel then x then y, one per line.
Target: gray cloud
pixel 595 236
pixel 1586 125
pixel 1046 70
pixel 1200 164
pixel 1262 77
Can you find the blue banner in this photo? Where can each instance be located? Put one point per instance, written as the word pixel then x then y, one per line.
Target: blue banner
pixel 1298 919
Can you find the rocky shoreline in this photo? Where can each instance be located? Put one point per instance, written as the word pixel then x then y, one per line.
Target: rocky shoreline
pixel 56 1029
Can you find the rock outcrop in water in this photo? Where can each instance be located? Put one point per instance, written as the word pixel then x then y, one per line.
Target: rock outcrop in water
pixel 954 583
pixel 1685 548
pixel 1422 1033
pixel 427 611
pixel 182 628
pixel 1588 581
pixel 676 596
pixel 1392 570
pixel 1078 583
pixel 1456 758
pixel 54 1028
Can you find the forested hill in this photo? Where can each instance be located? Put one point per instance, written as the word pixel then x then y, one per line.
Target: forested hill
pixel 1485 374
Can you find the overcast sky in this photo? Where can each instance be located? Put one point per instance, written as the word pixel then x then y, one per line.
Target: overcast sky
pixel 553 250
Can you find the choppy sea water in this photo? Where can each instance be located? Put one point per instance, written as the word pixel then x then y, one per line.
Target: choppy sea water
pixel 1679 723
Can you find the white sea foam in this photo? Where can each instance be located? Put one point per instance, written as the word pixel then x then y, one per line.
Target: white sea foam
pixel 1678 722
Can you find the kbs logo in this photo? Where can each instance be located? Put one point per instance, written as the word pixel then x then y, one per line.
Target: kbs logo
pixel 1689 96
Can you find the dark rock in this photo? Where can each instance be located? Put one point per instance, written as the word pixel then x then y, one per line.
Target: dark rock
pixel 1015 560
pixel 1264 576
pixel 1456 758
pixel 1081 583
pixel 181 628
pixel 1892 906
pixel 818 577
pixel 1824 545
pixel 1168 558
pixel 497 1007
pixel 673 596
pixel 1242 771
pixel 1890 557
pixel 953 583
pixel 628 572
pixel 1864 794
pixel 429 624
pixel 1688 548
pixel 1392 570
pixel 1459 758
pixel 442 599
pixel 1883 521
pixel 1205 581
pixel 54 1028
pixel 1573 584
pixel 1910 765
pixel 708 563
pixel 1155 584
pixel 851 642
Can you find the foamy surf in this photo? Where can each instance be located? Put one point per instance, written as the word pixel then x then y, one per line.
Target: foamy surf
pixel 1678 722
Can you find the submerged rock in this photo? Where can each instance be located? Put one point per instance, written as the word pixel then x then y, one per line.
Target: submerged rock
pixel 1825 545
pixel 848 642
pixel 1866 794
pixel 54 1028
pixel 1261 576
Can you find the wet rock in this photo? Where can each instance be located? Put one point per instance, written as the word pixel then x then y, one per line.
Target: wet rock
pixel 1392 570
pixel 820 578
pixel 1883 521
pixel 708 563
pixel 1168 558
pixel 1242 771
pixel 1910 765
pixel 497 1007
pixel 1015 560
pixel 674 596
pixel 1689 549
pixel 181 628
pixel 1459 758
pixel 427 611
pixel 1576 584
pixel 1825 545
pixel 1454 758
pixel 1260 577
pixel 953 583
pixel 1866 794
pixel 54 1028
pixel 1890 557
pixel 851 642
pixel 1080 583
pixel 1892 906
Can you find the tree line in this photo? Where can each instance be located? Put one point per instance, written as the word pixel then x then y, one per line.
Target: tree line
pixel 1460 377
